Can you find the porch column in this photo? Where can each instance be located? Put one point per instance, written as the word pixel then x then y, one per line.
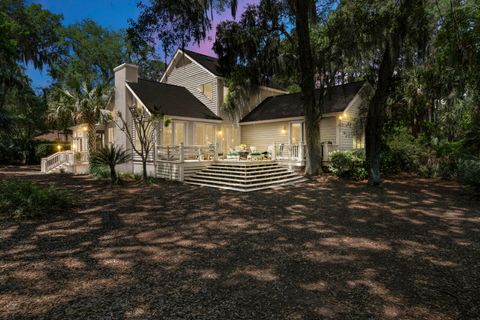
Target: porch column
pixel 181 156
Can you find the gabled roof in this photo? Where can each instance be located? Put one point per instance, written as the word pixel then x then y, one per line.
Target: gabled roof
pixel 171 100
pixel 337 99
pixel 209 63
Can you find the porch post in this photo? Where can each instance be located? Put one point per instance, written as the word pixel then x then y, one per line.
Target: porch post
pixel 181 156
pixel 300 152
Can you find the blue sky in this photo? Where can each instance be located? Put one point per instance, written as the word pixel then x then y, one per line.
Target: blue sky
pixel 110 14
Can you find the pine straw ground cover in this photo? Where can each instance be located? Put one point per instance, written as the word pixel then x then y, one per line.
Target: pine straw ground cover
pixel 325 249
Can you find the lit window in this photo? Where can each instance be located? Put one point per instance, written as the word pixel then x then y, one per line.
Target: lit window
pixel 179 133
pixel 296 133
pixel 204 134
pixel 206 89
pixel 358 142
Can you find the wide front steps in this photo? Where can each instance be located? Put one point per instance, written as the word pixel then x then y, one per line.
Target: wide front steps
pixel 244 175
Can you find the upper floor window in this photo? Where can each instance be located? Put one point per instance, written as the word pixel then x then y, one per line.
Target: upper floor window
pixel 206 89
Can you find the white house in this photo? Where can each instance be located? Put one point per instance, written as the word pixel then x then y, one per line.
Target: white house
pixel 203 145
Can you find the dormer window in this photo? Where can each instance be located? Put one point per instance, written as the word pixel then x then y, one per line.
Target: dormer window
pixel 206 89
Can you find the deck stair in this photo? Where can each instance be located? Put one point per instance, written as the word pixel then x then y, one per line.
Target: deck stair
pixel 244 175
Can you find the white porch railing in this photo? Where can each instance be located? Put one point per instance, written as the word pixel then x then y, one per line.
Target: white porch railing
pixel 56 160
pixel 291 152
pixel 182 153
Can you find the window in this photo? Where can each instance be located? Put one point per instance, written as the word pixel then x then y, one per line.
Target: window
pixel 149 135
pixel 179 133
pixel 167 135
pixel 209 134
pixel 358 142
pixel 204 134
pixel 207 90
pixel 296 133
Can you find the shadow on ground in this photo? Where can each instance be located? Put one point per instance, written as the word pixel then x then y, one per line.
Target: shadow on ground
pixel 325 249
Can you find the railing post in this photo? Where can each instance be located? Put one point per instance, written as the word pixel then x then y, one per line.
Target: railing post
pixel 44 165
pixel 300 152
pixel 274 152
pixel 181 155
pixel 215 152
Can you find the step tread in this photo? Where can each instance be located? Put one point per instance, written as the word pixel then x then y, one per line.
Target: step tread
pixel 246 173
pixel 260 174
pixel 243 181
pixel 250 187
pixel 240 168
pixel 276 182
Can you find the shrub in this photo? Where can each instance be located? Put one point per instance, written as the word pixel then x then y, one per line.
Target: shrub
pixel 109 157
pixel 100 171
pixel 348 164
pixel 469 173
pixel 22 199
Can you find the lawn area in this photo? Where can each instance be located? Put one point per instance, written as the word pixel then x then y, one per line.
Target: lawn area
pixel 324 249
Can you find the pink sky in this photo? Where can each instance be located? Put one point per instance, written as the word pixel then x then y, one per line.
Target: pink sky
pixel 206 45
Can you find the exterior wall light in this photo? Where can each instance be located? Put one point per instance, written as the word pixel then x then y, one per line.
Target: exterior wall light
pixel 284 130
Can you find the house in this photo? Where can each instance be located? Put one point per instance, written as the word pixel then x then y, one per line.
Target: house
pixel 201 136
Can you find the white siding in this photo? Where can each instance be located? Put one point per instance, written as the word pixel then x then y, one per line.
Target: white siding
pixel 191 76
pixel 328 131
pixel 345 125
pixel 264 134
pixel 248 104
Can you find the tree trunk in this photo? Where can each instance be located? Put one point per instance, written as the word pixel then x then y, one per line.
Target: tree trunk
pixel 144 169
pixel 312 127
pixel 376 109
pixel 113 174
pixel 91 137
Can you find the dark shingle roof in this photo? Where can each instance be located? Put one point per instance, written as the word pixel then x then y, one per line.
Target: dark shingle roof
pixel 209 63
pixel 290 105
pixel 171 100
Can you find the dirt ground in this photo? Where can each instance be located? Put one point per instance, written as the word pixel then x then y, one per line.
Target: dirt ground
pixel 324 249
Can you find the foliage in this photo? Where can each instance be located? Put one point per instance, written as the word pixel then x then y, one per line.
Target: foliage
pixel 22 199
pixel 90 52
pixel 82 104
pixel 110 156
pixel 29 35
pixel 25 113
pixel 100 171
pixel 348 164
pixel 172 24
pixel 469 173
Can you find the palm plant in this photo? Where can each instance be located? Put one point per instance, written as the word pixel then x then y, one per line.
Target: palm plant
pixel 110 156
pixel 81 104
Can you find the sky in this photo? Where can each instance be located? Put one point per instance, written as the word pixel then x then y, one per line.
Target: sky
pixel 113 14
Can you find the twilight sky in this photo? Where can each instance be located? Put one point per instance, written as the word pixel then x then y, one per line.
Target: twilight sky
pixel 112 14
